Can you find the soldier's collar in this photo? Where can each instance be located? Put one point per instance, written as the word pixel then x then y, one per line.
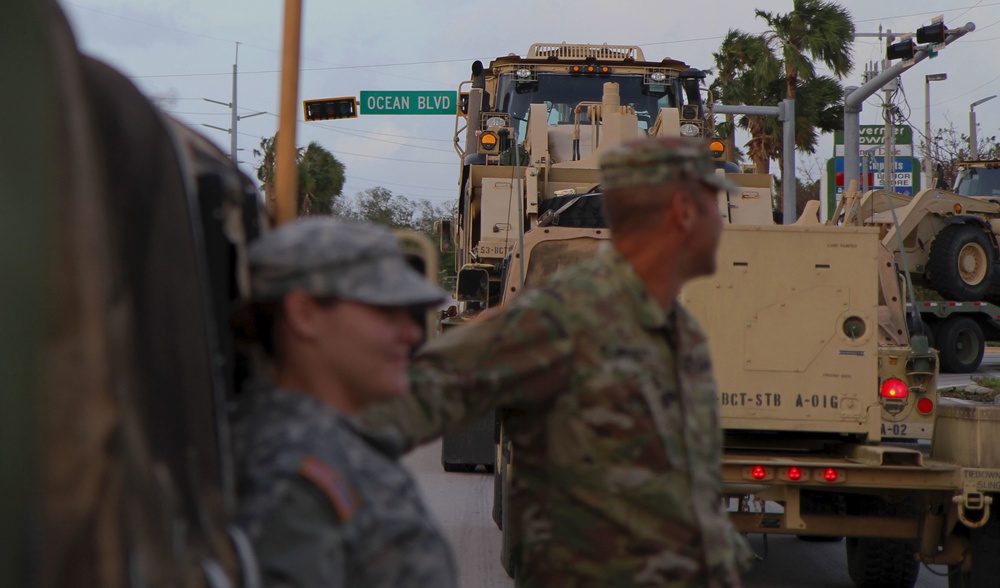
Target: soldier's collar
pixel 651 315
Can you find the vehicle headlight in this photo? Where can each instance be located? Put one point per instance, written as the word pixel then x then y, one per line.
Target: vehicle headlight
pixel 658 76
pixel 690 130
pixel 523 73
pixel 495 122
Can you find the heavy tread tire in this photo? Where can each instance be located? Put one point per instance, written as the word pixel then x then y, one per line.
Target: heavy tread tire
pixel 953 244
pixel 874 562
pixel 985 563
pixel 961 345
pixel 882 563
pixel 586 213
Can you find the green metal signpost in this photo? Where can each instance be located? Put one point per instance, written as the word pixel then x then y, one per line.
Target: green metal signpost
pixel 409 102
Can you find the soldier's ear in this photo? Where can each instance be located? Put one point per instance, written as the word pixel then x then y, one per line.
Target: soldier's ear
pixel 683 210
pixel 300 311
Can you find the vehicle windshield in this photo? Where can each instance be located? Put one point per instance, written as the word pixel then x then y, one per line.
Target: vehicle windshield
pixel 561 93
pixel 978 181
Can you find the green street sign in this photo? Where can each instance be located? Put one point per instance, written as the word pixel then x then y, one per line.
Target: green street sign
pixel 409 102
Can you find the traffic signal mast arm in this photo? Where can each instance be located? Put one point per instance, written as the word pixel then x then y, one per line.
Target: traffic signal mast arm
pixel 854 96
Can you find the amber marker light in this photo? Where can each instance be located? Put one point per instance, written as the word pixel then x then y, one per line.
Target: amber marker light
pixel 957 208
pixel 717 148
pixel 488 141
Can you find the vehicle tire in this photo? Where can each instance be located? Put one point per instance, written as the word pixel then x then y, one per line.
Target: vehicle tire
pixel 882 563
pixel 985 545
pixel 960 264
pixel 585 212
pixel 875 562
pixel 961 345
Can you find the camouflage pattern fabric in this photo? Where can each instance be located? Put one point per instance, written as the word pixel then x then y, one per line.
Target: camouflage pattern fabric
pixel 328 505
pixel 334 257
pixel 649 162
pixel 611 407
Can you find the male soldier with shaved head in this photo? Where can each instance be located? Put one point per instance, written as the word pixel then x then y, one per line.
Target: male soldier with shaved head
pixel 326 503
pixel 607 390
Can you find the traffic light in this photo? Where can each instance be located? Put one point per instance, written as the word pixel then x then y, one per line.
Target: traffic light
pixel 932 33
pixel 331 108
pixel 902 50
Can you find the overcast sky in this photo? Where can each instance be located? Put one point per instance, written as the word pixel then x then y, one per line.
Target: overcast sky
pixel 182 51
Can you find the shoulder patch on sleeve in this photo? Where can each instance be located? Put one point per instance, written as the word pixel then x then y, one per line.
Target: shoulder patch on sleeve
pixel 342 496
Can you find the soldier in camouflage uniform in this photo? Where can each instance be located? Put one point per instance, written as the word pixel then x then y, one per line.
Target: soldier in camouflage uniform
pixel 607 391
pixel 326 503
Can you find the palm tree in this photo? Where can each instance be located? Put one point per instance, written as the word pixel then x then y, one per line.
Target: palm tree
pixel 814 31
pixel 321 176
pixel 743 64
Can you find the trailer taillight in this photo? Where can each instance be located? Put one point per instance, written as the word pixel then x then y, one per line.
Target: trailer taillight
pixel 794 474
pixel 758 472
pixel 925 405
pixel 830 475
pixel 895 389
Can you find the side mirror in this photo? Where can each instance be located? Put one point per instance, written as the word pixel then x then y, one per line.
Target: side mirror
pixel 445 230
pixel 474 286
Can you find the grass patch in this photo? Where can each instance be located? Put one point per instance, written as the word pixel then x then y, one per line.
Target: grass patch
pixel 989 388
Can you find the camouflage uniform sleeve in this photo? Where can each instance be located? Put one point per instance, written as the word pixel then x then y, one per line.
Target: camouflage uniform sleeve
pixel 517 358
pixel 301 544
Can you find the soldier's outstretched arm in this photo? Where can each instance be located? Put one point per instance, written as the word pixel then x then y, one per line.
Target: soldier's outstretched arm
pixel 519 357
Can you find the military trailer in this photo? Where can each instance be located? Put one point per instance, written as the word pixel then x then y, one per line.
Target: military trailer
pixel 834 427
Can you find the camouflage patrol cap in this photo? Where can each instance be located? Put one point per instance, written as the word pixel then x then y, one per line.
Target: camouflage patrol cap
pixel 331 257
pixel 656 161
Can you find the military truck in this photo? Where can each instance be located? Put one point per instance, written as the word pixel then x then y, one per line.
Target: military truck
pixel 534 128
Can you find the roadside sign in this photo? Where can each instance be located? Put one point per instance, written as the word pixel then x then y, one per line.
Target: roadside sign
pixel 906 177
pixel 409 102
pixel 871 138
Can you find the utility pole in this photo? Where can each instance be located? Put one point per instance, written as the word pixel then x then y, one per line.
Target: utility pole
pixel 233 118
pixel 928 180
pixel 973 140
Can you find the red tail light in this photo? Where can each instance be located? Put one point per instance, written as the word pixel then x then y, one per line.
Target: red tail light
pixel 925 405
pixel 895 389
pixel 758 472
pixel 830 475
pixel 794 474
